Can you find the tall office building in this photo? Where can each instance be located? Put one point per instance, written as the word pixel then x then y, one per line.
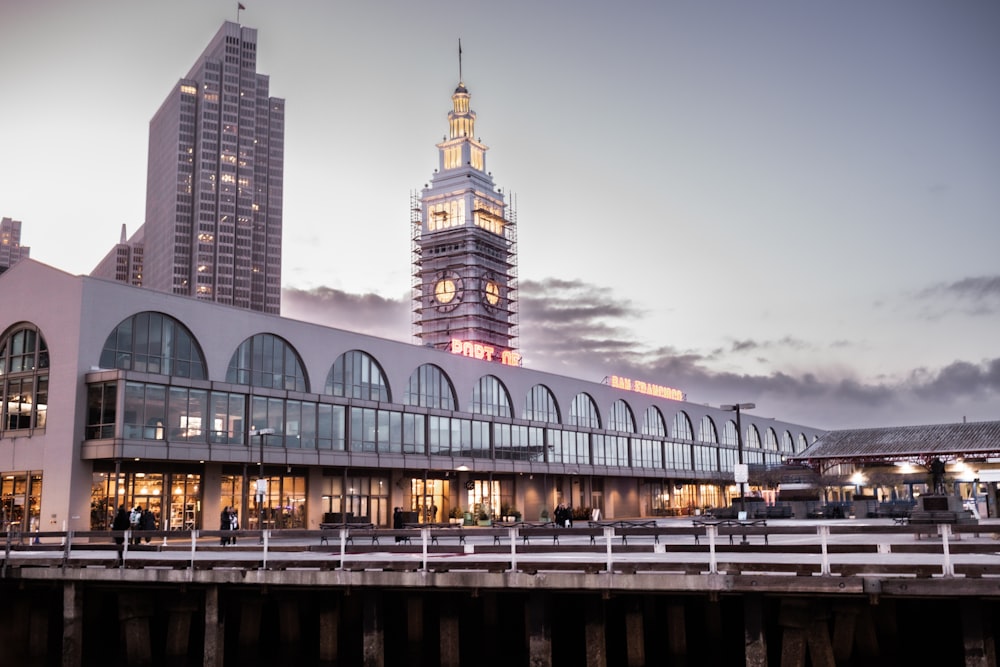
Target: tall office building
pixel 214 181
pixel 124 262
pixel 11 249
pixel 465 250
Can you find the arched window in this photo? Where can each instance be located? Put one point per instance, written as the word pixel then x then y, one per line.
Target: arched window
pixel 653 424
pixel 583 412
pixel 24 379
pixel 429 387
pixel 154 343
pixel 787 443
pixel 621 417
pixel 730 436
pixel 265 360
pixel 682 427
pixel 540 405
pixel 753 437
pixel 490 397
pixel 770 440
pixel 356 374
pixel 706 430
pixel 803 442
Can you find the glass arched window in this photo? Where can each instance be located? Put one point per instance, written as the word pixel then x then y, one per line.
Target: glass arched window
pixel 803 442
pixel 24 379
pixel 265 360
pixel 583 412
pixel 621 417
pixel 753 437
pixel 706 430
pixel 730 436
pixel 154 343
pixel 682 427
pixel 770 440
pixel 653 424
pixel 787 443
pixel 356 374
pixel 429 387
pixel 490 397
pixel 540 405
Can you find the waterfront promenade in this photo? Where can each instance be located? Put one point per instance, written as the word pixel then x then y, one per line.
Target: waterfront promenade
pixel 838 591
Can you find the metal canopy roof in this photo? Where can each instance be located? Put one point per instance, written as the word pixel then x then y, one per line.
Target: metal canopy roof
pixel 945 441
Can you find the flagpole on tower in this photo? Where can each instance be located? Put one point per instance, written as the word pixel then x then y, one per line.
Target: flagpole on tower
pixel 239 8
pixel 459 59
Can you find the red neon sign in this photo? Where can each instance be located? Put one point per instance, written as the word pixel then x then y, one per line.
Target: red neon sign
pixel 484 352
pixel 647 388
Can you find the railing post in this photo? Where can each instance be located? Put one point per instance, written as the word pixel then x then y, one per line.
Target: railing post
pixel 512 534
pixel 265 535
pixel 824 534
pixel 343 546
pixel 713 565
pixel 948 570
pixel 609 534
pixel 425 536
pixel 67 547
pixel 194 549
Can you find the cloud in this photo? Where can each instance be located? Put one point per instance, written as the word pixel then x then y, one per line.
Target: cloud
pixel 980 294
pixel 365 313
pixel 585 331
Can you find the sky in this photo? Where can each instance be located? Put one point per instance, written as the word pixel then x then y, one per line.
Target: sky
pixel 785 203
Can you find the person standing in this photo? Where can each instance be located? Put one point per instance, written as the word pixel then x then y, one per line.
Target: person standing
pixel 234 525
pixel 120 522
pixel 225 523
pixel 148 522
pixel 135 524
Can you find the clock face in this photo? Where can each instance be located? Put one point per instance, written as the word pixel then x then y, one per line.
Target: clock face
pixel 445 290
pixel 491 293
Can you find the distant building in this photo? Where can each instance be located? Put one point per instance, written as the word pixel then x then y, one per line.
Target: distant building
pixel 11 249
pixel 124 262
pixel 465 250
pixel 214 181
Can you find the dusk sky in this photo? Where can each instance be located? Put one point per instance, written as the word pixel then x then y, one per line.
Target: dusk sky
pixel 795 204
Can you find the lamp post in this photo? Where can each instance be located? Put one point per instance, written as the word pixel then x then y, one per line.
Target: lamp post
pixel 742 472
pixel 261 484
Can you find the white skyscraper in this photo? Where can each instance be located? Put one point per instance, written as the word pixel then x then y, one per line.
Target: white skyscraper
pixel 214 181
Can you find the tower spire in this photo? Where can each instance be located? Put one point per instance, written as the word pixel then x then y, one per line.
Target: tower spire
pixel 460 60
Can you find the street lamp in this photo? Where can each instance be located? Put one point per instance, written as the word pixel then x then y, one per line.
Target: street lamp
pixel 742 471
pixel 261 482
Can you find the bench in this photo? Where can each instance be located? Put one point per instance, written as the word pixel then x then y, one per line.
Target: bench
pixel 327 530
pixel 732 527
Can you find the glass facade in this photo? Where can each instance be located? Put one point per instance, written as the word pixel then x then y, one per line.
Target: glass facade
pixel 24 380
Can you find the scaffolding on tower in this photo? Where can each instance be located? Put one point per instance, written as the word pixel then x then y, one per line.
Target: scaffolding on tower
pixel 416 286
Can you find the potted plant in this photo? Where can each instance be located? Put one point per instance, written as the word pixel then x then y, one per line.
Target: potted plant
pixel 483 518
pixel 544 516
pixel 456 515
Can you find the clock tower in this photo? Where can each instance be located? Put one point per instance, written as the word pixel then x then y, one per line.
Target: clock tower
pixel 464 250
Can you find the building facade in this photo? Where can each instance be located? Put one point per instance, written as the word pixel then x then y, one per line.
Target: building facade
pixel 215 180
pixel 124 262
pixel 11 250
pixel 465 249
pixel 116 395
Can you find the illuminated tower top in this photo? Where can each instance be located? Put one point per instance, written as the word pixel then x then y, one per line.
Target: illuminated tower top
pixel 464 249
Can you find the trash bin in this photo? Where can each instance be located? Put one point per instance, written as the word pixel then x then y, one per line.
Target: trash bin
pixel 467 520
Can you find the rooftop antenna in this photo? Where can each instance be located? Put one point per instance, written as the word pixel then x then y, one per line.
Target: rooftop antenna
pixel 460 60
